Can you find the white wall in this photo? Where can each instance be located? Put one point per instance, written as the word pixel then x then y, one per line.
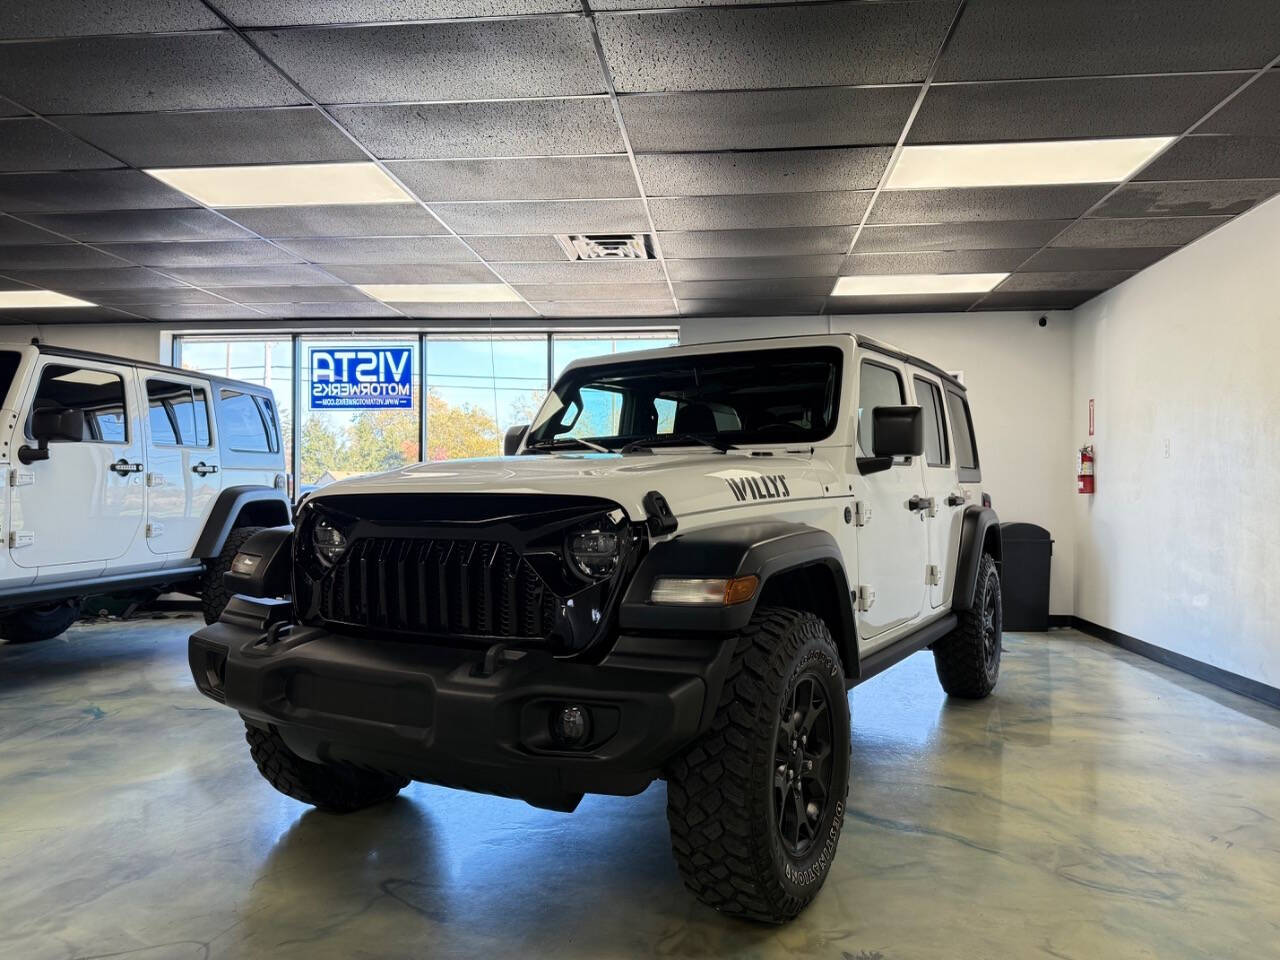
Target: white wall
pixel 137 341
pixel 1018 376
pixel 1183 550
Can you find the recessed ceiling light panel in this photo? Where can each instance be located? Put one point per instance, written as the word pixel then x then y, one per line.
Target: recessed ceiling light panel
pixel 38 299
pixel 284 184
pixel 1022 164
pixel 917 284
pixel 439 292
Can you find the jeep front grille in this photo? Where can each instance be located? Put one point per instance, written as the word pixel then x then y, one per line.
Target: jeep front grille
pixel 460 588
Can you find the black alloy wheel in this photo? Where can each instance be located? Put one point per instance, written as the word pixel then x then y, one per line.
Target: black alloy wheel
pixel 802 764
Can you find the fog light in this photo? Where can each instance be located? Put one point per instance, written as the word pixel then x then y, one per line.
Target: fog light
pixel 571 725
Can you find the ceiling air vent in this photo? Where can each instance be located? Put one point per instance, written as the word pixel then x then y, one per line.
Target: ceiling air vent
pixel 606 246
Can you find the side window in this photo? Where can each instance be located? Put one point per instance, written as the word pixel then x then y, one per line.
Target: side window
pixel 935 432
pixel 176 417
pixel 96 393
pixel 666 410
pixel 273 427
pixel 962 430
pixel 878 386
pixel 200 411
pixel 601 411
pixel 243 427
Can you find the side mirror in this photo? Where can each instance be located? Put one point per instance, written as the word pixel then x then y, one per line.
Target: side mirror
pixel 50 425
pixel 514 437
pixel 897 431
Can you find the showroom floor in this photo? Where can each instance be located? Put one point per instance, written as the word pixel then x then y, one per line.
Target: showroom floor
pixel 1097 805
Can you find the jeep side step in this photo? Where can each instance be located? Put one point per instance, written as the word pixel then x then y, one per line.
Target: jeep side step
pixel 899 650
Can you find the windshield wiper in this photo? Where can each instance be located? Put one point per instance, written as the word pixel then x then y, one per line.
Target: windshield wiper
pixel 561 442
pixel 675 438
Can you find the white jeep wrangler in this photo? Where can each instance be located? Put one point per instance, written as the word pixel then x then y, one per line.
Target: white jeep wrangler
pixel 678 572
pixel 122 476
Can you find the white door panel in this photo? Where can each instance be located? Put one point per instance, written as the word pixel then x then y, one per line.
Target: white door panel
pixel 941 487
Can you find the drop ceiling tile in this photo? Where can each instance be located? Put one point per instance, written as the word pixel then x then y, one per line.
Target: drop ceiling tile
pixel 608 309
pixel 536 178
pixel 779 288
pixel 1067 109
pixel 342 220
pixel 544 217
pixel 282 274
pixel 216 137
pixel 411 272
pixel 753 268
pixel 122 277
pixel 30 144
pixel 1068 38
pixel 199 311
pixel 782 171
pixel 68 18
pixel 1196 198
pixel 786 242
pixel 53 318
pixel 804 46
pixel 380 250
pixel 1137 232
pixel 508 128
pixel 142 225
pixel 15 231
pixel 272 13
pixel 313 293
pixel 993 235
pixel 466 310
pixel 802 306
pixel 460 60
pixel 89 190
pixel 8 109
pixel 1254 112
pixel 762 119
pixel 202 253
pixel 583 271
pixel 1037 300
pixel 933 303
pixel 1096 258
pixel 303 311
pixel 593 291
pixel 608 5
pixel 973 204
pixel 763 210
pixel 64 256
pixel 1216 157
pixel 149 295
pixel 518 249
pixel 1068 280
pixel 120 74
pixel 937 261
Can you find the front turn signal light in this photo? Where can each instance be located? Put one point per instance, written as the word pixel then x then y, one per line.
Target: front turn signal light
pixel 688 591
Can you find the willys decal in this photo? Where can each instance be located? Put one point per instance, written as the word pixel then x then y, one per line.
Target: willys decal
pixel 773 487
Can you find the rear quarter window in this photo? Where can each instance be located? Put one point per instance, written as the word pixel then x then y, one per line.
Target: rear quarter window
pixel 962 431
pixel 245 428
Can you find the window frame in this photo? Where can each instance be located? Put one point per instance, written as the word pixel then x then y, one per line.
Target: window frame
pixel 91 421
pixel 172 416
pixel 965 474
pixel 939 403
pixel 271 437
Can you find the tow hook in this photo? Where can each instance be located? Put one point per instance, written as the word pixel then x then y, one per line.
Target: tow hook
pixel 495 658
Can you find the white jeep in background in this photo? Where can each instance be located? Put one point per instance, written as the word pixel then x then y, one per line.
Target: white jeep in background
pixel 677 571
pixel 122 476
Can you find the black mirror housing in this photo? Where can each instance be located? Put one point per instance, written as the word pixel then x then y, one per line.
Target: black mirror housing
pixel 52 425
pixel 514 437
pixel 898 431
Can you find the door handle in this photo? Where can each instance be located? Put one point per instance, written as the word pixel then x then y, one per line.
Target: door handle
pixel 920 503
pixel 956 500
pixel 204 469
pixel 123 467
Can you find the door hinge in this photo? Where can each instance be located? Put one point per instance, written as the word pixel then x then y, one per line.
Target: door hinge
pixel 866 597
pixel 861 513
pixel 21 538
pixel 154 530
pixel 155 479
pixel 933 575
pixel 21 478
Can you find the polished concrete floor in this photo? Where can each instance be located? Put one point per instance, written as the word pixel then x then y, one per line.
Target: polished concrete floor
pixel 1096 806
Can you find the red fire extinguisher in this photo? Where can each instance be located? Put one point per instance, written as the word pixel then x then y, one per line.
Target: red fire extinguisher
pixel 1084 469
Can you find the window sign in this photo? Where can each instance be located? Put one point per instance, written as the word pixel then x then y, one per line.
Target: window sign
pixel 361 378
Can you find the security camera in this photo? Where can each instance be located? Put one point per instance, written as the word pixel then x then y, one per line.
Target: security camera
pixel 1044 321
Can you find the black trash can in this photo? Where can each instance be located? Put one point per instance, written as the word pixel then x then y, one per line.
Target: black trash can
pixel 1024 576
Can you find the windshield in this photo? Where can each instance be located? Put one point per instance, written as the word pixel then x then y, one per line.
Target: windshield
pixel 787 395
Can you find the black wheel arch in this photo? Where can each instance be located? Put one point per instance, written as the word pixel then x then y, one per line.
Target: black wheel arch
pixel 799 566
pixel 979 534
pixel 239 506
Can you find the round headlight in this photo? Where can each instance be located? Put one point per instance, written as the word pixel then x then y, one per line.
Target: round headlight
pixel 595 552
pixel 329 542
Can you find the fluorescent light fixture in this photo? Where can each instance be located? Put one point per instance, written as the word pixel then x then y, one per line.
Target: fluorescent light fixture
pixel 284 184
pixel 1022 164
pixel 915 283
pixel 38 299
pixel 439 292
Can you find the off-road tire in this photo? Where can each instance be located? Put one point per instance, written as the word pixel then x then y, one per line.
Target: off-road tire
pixel 721 790
pixel 336 789
pixel 968 658
pixel 39 623
pixel 214 595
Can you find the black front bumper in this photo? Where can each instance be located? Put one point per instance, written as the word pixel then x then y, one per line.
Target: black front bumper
pixel 430 713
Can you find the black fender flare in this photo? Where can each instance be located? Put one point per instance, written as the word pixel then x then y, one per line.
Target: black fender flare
pixel 268 501
pixel 979 534
pixel 763 549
